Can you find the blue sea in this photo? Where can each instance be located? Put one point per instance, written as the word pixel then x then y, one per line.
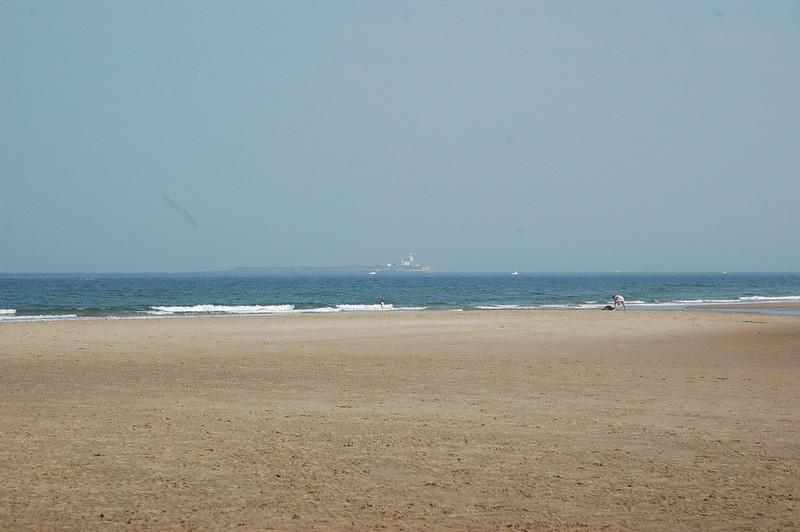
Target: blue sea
pixel 25 297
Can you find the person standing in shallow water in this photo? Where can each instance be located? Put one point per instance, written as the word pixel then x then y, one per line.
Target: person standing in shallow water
pixel 619 300
pixel 381 303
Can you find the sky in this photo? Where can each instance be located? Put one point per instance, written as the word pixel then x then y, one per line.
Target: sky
pixel 481 136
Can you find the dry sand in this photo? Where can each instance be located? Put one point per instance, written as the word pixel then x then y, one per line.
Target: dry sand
pixel 417 421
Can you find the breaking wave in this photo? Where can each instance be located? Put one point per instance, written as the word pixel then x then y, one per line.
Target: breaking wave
pixel 220 309
pixel 38 317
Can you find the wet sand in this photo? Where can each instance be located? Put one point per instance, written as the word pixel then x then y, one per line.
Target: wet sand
pixel 416 421
pixel 765 305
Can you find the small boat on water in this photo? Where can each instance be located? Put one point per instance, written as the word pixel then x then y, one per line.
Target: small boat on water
pixel 515 273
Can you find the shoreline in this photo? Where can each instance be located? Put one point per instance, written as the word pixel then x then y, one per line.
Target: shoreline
pixel 765 305
pixel 788 308
pixel 420 420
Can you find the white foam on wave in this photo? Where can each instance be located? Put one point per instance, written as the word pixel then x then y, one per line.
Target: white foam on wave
pixel 681 303
pixel 506 307
pixel 372 308
pixel 268 309
pixel 42 317
pixel 705 301
pixel 768 298
pixel 221 309
pixel 316 310
pixel 743 299
pixel 357 308
pixel 7 311
pixel 660 304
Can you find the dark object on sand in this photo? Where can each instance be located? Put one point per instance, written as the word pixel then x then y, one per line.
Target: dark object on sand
pixel 608 307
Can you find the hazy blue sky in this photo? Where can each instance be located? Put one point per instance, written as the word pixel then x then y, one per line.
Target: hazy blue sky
pixel 491 136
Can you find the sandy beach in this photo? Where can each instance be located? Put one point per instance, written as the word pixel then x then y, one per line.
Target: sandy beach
pixel 405 421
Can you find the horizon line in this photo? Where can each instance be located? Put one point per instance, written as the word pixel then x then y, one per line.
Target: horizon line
pixel 359 269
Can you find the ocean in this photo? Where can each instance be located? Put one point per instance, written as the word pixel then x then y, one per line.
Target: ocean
pixel 26 297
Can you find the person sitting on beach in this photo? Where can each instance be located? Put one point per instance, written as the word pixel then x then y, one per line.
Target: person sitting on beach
pixel 619 300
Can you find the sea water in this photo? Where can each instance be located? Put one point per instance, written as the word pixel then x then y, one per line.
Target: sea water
pixel 26 297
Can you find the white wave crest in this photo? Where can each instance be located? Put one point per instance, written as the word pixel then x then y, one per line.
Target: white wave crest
pixel 268 309
pixel 357 308
pixel 660 304
pixel 767 298
pixel 43 317
pixel 508 307
pixel 317 310
pixel 221 309
pixel 743 299
pixel 7 311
